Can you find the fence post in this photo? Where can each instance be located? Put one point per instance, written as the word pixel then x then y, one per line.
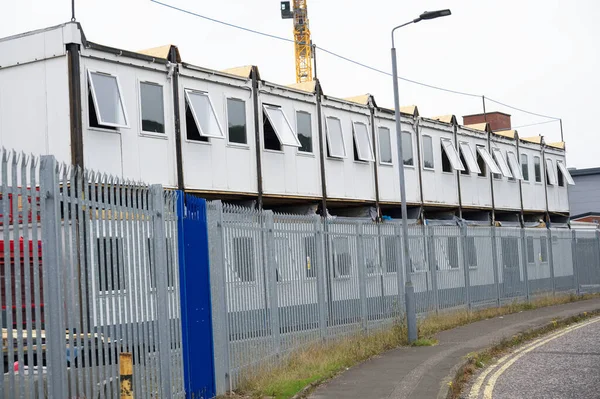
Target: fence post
pixel 495 263
pixel 320 264
pixel 463 239
pixel 598 246
pixel 52 279
pixel 362 272
pixel 431 262
pixel 524 261
pixel 399 269
pixel 574 257
pixel 271 266
pixel 162 298
pixel 551 261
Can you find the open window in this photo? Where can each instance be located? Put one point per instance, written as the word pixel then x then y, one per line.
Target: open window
pixel 487 157
pixel 385 145
pixel 514 165
pixel 204 117
pixel 108 106
pixel 565 172
pixel 335 138
pixel 501 162
pixel 362 144
pixel 482 165
pixel 452 157
pixel 467 155
pixel 280 126
pixel 550 172
pixel 525 166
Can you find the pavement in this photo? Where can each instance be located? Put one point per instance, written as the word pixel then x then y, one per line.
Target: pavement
pixel 565 364
pixel 423 372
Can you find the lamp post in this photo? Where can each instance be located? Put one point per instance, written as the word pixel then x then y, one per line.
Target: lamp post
pixel 409 291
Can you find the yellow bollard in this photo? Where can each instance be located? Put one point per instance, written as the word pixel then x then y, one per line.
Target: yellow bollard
pixel 126 375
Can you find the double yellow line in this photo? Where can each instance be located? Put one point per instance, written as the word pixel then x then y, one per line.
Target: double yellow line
pixel 496 370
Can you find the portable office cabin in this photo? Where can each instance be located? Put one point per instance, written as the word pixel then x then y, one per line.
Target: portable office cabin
pixel 349 163
pixel 557 178
pixel 532 185
pixel 289 136
pixel 388 169
pixel 218 143
pixel 475 179
pixel 507 196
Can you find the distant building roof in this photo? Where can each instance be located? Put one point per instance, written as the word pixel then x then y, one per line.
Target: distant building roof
pixel 584 172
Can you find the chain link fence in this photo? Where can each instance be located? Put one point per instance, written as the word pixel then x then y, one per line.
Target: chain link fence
pixel 280 282
pixel 88 271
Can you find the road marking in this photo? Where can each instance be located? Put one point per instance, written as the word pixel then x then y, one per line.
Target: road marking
pixel 476 388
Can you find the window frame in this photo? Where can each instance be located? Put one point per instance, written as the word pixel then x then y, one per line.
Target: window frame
pixel 551 178
pixel 412 149
pixel 232 262
pixel 103 280
pixel 187 93
pixel 566 175
pixel 327 137
pixel 514 165
pixel 529 241
pixel 452 156
pixel 312 141
pixel 234 143
pixel 141 120
pixel 471 249
pixel 423 137
pixel 488 159
pixel 525 167
pixel 335 270
pixel 543 254
pixel 95 101
pixel 389 133
pixel 361 157
pixel 538 169
pixel 266 108
pixel 501 161
pixel 470 158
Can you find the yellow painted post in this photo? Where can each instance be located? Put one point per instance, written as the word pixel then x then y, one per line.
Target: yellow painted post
pixel 126 375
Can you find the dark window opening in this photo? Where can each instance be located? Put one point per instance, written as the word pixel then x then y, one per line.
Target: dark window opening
pixel 466 171
pixel 170 264
pixel 510 252
pixel 192 132
pixel 471 254
pixel 561 178
pixel 453 252
pixel 110 257
pixel 543 249
pixel 537 169
pixel 304 126
pixel 93 118
pixel 482 165
pixel 153 112
pixel 243 258
pixel 342 258
pixel 446 166
pixel 391 254
pixel 530 250
pixel 236 121
pixel 270 137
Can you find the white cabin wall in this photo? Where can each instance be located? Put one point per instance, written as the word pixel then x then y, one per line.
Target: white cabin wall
pixel 506 192
pixel 534 196
pixel 347 178
pixel 34 108
pixel 389 174
pixel 438 187
pixel 291 172
pixel 219 165
pixel 128 152
pixel 475 189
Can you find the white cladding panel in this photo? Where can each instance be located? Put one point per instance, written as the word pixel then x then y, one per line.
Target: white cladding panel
pixel 475 190
pixel 388 175
pixel 347 178
pixel 438 187
pixel 128 152
pixel 34 108
pixel 291 171
pixel 506 192
pixel 217 164
pixel 558 197
pixel 534 195
pixel 31 47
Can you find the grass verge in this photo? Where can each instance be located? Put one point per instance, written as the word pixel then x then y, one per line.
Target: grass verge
pixel 479 360
pixel 305 369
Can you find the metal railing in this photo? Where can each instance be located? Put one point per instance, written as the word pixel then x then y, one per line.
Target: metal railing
pixel 280 282
pixel 88 272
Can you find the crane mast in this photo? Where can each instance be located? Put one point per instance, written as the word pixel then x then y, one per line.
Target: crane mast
pixel 302 42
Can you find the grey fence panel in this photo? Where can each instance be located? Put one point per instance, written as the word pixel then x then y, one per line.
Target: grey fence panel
pixel 92 293
pixel 282 282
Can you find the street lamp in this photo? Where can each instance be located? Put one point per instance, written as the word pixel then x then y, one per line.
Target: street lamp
pixel 409 291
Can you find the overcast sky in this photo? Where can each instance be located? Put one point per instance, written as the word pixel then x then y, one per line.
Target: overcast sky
pixel 541 56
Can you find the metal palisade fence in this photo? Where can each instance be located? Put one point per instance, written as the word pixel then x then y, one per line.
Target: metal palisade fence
pixel 88 273
pixel 280 282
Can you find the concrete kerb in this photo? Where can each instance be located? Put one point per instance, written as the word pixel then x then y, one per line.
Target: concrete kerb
pixel 452 385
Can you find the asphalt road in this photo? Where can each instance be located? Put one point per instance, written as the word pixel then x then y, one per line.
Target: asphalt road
pixel 564 364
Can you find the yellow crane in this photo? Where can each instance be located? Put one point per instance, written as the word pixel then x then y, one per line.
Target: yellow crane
pixel 302 42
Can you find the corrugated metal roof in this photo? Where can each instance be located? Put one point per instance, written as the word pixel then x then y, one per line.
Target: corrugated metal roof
pixel 506 133
pixel 161 52
pixel 243 71
pixel 534 139
pixel 445 118
pixel 309 86
pixel 559 145
pixel 482 127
